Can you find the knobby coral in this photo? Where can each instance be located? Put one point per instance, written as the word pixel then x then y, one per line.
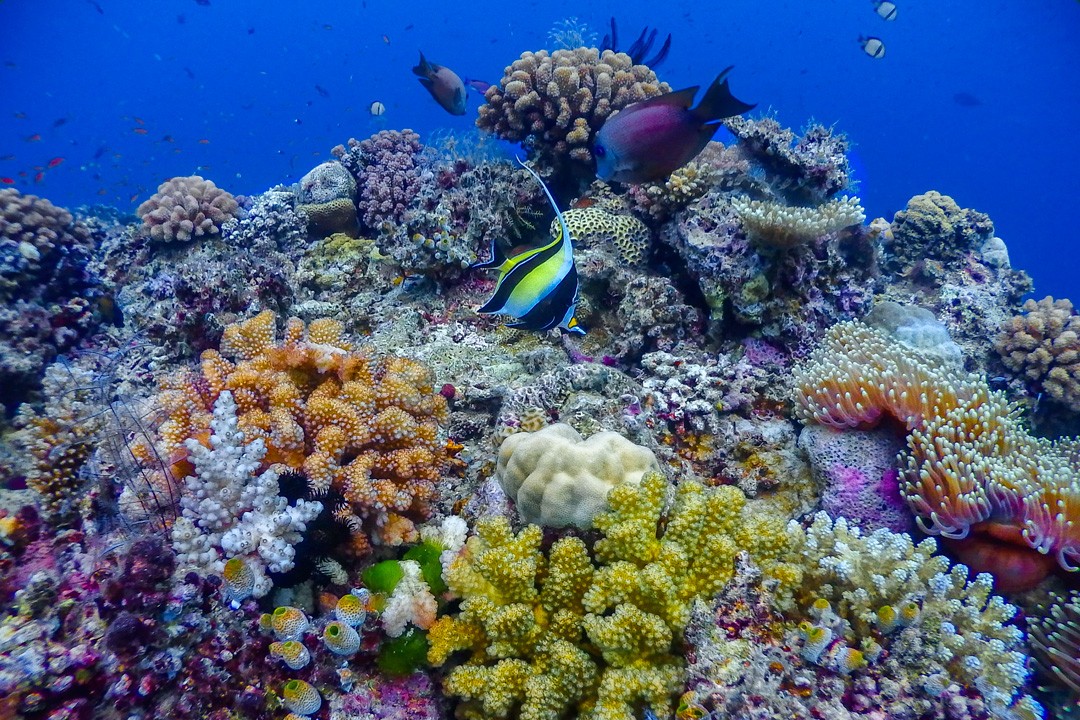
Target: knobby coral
pixel 777 225
pixel 970 468
pixel 185 208
pixel 555 102
pixel 552 633
pixel 1043 344
pixel 365 428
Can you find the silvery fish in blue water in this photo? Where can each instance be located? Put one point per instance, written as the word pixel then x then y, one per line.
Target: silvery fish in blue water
pixel 539 286
pixel 885 9
pixel 443 84
pixel 651 139
pixel 872 46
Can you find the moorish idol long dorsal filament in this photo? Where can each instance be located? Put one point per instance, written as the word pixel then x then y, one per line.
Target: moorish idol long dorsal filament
pixel 539 286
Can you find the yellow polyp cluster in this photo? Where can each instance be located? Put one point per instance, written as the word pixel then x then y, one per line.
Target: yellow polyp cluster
pixel 556 633
pixel 367 428
pixel 630 236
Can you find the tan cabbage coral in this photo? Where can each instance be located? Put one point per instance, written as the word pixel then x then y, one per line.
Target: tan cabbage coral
pixel 558 479
pixel 185 208
pixel 1043 344
pixel 555 102
pixel 592 224
pixel 783 226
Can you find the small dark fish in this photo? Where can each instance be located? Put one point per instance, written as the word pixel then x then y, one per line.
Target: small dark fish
pixel 443 84
pixel 139 130
pixel 478 85
pixel 188 72
pixel 872 46
pixel 96 7
pixel 322 91
pixel 651 139
pixel 204 3
pixel 327 27
pixel 167 138
pixel 10 64
pixel 885 9
pixel 36 137
pixel 39 177
pixel 101 152
pixel 410 26
pixel 180 19
pixel 20 116
pixel 139 120
pixel 251 31
pixel 108 309
pixel 7 157
pixel 966 99
pixel 386 39
pixel 59 121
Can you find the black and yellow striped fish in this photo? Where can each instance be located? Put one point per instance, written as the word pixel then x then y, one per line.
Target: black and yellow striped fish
pixel 539 286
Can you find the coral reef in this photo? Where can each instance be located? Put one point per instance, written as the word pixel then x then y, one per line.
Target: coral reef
pixel 590 225
pixel 386 166
pixel 557 478
pixel 187 208
pixel 366 429
pixel 781 226
pixel 47 292
pixel 971 471
pixel 1043 346
pixel 525 615
pixel 555 102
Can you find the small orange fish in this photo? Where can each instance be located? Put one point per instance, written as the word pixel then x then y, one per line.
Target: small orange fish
pixel 167 138
pixel 55 161
pixel 139 130
pixel 36 137
pixel 7 180
pixel 102 191
pixel 175 150
pixel 139 120
pixel 133 198
pixel 204 141
pixel 39 177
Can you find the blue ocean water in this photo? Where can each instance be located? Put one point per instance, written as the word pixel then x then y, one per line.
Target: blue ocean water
pixel 977 99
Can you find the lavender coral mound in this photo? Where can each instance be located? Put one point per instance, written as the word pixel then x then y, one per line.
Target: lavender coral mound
pixel 327 195
pixel 386 166
pixel 230 512
pixel 555 102
pixel 46 289
pixel 1043 344
pixel 185 208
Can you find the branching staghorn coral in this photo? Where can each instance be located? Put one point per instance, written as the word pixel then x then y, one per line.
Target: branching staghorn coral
pixel 1043 344
pixel 782 226
pixel 185 208
pixel 552 633
pixel 909 616
pixel 970 467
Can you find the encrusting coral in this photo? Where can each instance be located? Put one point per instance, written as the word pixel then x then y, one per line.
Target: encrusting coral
pixel 971 471
pixel 555 102
pixel 557 478
pixel 327 195
pixel 553 633
pixel 186 208
pixel 366 428
pixel 593 224
pixel 1043 345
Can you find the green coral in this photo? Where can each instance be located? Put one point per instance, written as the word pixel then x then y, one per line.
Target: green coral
pixel 598 637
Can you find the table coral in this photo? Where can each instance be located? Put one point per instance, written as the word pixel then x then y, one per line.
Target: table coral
pixel 555 102
pixel 782 226
pixel 186 208
pixel 1043 345
pixel 551 633
pixel 365 428
pixel 970 469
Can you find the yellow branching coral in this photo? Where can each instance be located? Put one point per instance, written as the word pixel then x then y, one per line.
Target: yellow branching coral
pixel 556 633
pixel 367 427
pixel 970 464
pixel 589 225
pixel 784 226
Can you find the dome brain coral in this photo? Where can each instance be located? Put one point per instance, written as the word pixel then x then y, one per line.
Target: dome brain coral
pixel 559 479
pixel 185 208
pixel 1043 344
pixel 593 225
pixel 555 102
pixel 367 428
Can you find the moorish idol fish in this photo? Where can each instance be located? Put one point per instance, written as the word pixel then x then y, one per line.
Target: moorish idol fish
pixel 539 286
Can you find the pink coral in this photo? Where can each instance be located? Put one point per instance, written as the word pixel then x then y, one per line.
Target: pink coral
pixel 387 168
pixel 185 208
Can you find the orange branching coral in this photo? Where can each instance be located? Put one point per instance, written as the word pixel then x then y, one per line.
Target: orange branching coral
pixel 970 468
pixel 365 428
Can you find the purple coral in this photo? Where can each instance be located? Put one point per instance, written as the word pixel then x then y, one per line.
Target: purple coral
pixel 387 168
pixel 859 472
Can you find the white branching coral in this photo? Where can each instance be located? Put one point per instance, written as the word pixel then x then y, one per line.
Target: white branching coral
pixel 884 592
pixel 784 226
pixel 230 510
pixel 411 603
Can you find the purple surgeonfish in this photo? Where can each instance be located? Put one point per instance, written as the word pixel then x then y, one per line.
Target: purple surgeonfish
pixel 651 139
pixel 443 84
